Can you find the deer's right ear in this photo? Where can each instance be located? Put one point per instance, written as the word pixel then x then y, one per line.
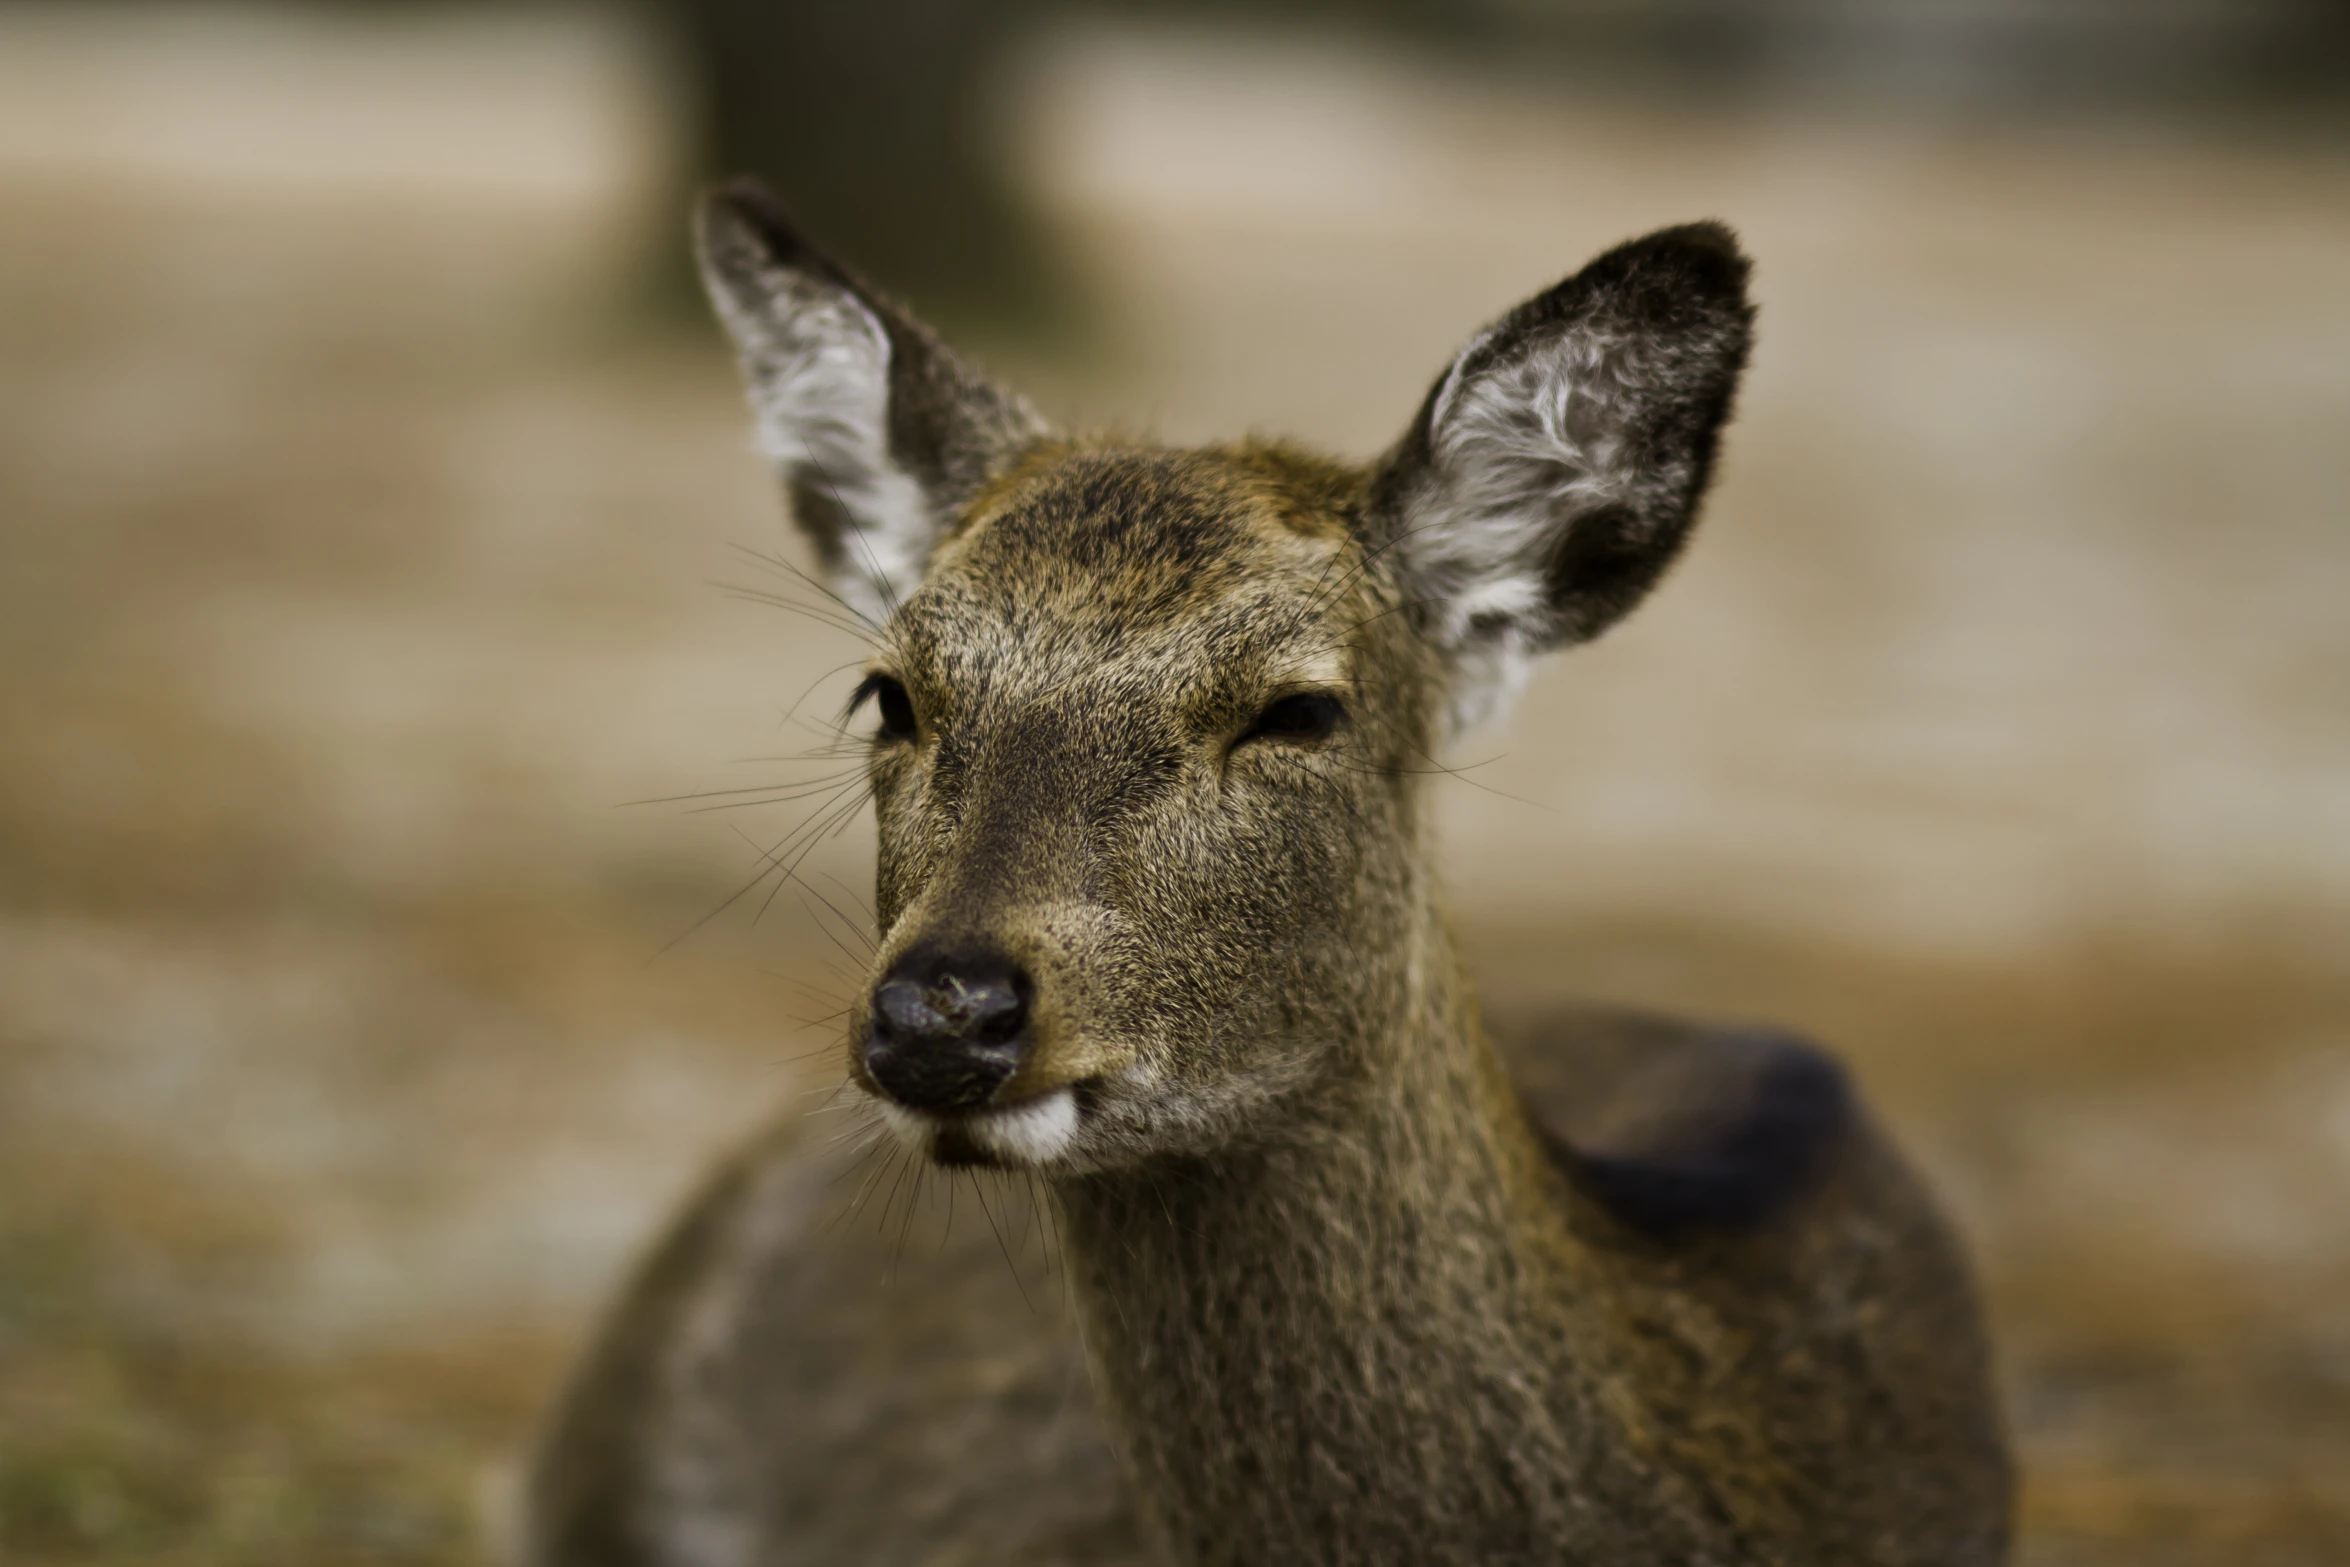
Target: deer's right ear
pixel 880 432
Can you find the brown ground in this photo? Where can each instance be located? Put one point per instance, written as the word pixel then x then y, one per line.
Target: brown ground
pixel 352 571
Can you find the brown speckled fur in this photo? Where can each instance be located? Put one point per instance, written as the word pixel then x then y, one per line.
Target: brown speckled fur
pixel 1335 1279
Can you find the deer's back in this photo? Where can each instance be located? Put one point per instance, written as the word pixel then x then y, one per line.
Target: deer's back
pixel 1798 1318
pixel 800 1373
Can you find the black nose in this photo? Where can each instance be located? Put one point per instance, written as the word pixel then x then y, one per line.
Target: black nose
pixel 948 1027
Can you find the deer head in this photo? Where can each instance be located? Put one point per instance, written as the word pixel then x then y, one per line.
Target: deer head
pixel 1148 726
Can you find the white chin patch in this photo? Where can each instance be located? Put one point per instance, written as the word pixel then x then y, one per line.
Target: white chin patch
pixel 1035 1131
pixel 1031 1133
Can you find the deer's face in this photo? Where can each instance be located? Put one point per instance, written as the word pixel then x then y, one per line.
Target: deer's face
pixel 1142 750
pixel 1146 725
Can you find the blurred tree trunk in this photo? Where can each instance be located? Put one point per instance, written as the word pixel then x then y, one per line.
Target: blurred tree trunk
pixel 871 119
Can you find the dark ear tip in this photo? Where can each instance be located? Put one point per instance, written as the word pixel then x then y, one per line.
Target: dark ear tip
pixel 1711 235
pixel 1704 255
pixel 743 209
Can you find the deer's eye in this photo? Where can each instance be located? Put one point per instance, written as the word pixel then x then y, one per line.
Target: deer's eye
pixel 1300 716
pixel 891 702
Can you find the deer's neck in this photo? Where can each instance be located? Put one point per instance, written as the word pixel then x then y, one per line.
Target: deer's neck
pixel 1360 1333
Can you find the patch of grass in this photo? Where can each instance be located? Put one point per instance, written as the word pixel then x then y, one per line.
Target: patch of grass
pixel 126 1440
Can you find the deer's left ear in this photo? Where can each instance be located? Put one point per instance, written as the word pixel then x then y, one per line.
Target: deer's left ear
pixel 1555 469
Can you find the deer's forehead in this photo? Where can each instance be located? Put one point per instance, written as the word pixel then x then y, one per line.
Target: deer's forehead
pixel 1169 565
pixel 1062 631
pixel 1112 519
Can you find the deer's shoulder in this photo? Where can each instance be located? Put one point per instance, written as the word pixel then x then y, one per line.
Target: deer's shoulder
pixel 1679 1128
pixel 828 1360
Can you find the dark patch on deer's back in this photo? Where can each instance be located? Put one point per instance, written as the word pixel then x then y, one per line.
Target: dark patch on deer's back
pixel 1678 1129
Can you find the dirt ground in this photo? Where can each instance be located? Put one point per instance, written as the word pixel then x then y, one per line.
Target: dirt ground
pixel 360 557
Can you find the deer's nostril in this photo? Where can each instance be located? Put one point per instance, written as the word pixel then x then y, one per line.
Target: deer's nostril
pixel 948 1029
pixel 993 1012
pixel 901 1007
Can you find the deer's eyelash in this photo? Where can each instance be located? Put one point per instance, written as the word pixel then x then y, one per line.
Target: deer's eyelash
pixel 1302 717
pixel 890 698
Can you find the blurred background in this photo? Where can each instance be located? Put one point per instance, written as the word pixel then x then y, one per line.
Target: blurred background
pixel 371 492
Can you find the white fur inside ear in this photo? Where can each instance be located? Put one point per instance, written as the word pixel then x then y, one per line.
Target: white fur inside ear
pixel 1519 450
pixel 1487 677
pixel 818 366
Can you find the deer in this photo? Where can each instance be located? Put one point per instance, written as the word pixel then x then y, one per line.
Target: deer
pixel 1339 1274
